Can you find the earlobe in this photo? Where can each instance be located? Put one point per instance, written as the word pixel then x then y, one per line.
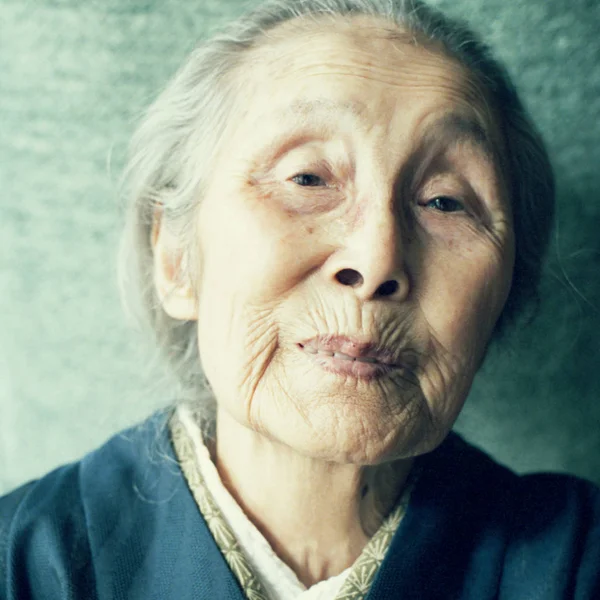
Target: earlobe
pixel 172 283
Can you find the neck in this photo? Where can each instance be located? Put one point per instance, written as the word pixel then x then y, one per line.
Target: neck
pixel 317 515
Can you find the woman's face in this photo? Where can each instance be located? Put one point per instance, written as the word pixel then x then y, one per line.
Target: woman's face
pixel 357 196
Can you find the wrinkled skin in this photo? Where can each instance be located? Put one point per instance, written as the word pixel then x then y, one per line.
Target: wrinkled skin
pixel 355 158
pixel 271 244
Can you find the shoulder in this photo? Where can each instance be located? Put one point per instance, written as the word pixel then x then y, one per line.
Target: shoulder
pixel 542 529
pixel 52 529
pixel 470 469
pixel 527 500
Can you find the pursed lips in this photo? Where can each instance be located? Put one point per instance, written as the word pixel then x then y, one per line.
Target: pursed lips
pixel 341 355
pixel 349 349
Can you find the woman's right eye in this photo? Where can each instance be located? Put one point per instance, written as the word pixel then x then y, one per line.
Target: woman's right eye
pixel 308 180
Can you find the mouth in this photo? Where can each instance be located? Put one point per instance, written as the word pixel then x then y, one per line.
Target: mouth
pixel 349 356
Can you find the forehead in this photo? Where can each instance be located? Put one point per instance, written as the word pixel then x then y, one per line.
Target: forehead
pixel 364 79
pixel 363 71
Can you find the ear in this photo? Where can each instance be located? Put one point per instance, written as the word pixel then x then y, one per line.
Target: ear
pixel 172 283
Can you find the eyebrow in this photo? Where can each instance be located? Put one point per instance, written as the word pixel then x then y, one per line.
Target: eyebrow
pixel 449 129
pixel 456 128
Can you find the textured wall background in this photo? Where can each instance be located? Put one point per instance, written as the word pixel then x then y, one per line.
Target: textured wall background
pixel 73 78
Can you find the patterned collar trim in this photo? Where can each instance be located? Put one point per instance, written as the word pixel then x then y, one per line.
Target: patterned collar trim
pixel 362 573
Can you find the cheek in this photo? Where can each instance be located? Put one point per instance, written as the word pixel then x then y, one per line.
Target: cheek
pixel 461 298
pixel 237 256
pixel 459 301
pixel 257 253
pixel 251 260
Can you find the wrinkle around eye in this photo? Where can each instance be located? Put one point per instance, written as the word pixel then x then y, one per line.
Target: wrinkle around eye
pixel 456 186
pixel 275 150
pixel 283 194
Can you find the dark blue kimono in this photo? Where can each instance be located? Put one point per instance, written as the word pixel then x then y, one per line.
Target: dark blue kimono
pixel 122 523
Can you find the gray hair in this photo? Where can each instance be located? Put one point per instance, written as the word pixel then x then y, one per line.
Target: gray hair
pixel 170 159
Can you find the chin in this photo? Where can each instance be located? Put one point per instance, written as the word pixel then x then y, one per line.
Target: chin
pixel 350 434
pixel 346 420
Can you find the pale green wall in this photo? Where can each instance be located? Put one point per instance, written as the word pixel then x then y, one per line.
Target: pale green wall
pixel 74 75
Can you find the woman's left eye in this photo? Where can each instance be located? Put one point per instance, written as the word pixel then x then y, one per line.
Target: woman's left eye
pixel 308 180
pixel 445 204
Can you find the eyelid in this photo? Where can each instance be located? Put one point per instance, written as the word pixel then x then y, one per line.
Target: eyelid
pixel 320 168
pixel 451 185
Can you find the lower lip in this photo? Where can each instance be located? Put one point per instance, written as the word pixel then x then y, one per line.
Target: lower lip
pixel 352 368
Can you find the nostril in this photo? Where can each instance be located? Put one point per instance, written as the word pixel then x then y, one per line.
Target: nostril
pixel 388 288
pixel 349 277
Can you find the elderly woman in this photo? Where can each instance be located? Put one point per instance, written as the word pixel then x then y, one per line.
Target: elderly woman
pixel 334 207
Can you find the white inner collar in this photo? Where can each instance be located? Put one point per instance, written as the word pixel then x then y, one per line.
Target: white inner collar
pixel 279 580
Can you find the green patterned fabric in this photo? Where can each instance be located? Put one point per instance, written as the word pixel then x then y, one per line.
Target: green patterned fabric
pixel 361 576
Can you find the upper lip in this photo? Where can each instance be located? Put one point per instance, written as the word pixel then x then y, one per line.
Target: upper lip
pixel 355 348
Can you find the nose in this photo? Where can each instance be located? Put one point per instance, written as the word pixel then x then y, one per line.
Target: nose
pixel 373 259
